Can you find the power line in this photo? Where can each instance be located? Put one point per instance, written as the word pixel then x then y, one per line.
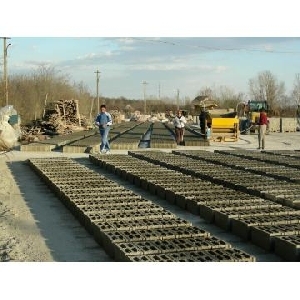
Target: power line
pixel 212 48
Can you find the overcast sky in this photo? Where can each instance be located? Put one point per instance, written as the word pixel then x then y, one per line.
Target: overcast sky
pixel 169 49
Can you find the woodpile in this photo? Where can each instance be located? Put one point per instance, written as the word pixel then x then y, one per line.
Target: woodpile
pixel 116 116
pixel 59 117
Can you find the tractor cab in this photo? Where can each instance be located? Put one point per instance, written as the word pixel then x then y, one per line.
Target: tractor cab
pixel 252 109
pixel 256 105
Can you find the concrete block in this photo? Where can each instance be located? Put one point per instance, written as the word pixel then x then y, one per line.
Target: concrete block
pixel 288 247
pixel 38 147
pixel 180 201
pixel 193 206
pixel 240 228
pixel 263 236
pixel 123 250
pixel 161 257
pixel 139 258
pixel 207 213
pixel 170 196
pixel 161 192
pixel 288 125
pixel 274 124
pixel 223 219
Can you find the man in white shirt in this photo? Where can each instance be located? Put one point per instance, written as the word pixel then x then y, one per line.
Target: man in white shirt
pixel 179 123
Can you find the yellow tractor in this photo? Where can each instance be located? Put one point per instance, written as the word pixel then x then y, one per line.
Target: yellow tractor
pixel 248 114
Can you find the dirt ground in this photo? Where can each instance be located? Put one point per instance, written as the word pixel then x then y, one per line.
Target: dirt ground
pixel 17 243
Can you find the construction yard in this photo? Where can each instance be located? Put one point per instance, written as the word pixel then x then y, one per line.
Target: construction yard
pixel 213 202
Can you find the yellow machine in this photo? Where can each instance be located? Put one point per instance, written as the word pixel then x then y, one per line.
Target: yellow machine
pixel 225 129
pixel 216 124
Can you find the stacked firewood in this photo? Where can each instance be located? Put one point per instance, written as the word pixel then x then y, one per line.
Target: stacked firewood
pixel 59 117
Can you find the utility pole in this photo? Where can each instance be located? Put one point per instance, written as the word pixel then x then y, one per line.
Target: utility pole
pixel 97 84
pixel 5 68
pixel 177 99
pixel 144 89
pixel 159 91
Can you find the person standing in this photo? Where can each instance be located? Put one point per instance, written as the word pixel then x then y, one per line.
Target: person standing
pixel 179 123
pixel 104 121
pixel 298 117
pixel 263 121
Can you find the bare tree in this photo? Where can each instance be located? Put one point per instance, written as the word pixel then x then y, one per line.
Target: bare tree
pixel 265 87
pixel 228 98
pixel 207 91
pixel 30 93
pixel 296 90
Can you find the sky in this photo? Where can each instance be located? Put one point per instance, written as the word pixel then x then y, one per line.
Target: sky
pixel 167 64
pixel 172 51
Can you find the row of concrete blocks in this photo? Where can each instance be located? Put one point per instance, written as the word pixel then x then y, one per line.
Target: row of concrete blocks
pixel 56 142
pixel 241 161
pixel 285 242
pixel 92 144
pixel 293 254
pixel 224 219
pixel 234 175
pixel 234 179
pixel 283 153
pixel 274 171
pixel 241 180
pixel 99 223
pixel 136 166
pixel 258 167
pixel 213 255
pixel 282 124
pixel 162 144
pixel 284 193
pixel 182 190
pixel 264 156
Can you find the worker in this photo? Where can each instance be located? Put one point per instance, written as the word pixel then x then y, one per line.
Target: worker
pixel 263 122
pixel 104 121
pixel 179 123
pixel 298 116
pixel 203 122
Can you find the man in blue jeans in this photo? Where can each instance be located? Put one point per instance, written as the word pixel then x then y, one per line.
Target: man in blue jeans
pixel 104 121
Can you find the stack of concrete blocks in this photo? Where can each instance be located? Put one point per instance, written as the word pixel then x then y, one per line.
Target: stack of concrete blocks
pixel 288 124
pixel 274 124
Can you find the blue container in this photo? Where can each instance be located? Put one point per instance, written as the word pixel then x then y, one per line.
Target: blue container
pixel 13 119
